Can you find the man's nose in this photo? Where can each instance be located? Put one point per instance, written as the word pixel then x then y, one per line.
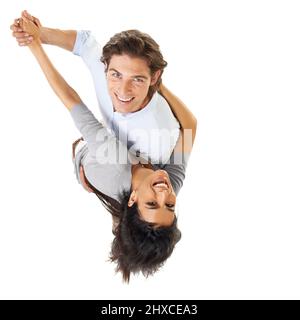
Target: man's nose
pixel 125 87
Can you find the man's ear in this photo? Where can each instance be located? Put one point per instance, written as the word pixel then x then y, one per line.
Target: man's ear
pixel 132 198
pixel 155 77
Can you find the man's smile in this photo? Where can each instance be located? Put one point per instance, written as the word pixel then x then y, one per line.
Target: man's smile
pixel 124 99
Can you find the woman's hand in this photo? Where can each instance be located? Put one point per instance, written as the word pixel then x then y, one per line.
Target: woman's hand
pixel 30 28
pixel 161 88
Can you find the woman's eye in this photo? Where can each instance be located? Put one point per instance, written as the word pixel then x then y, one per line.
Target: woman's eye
pixel 151 203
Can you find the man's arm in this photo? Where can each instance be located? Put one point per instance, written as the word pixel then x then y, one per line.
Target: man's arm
pixel 62 38
pixel 80 43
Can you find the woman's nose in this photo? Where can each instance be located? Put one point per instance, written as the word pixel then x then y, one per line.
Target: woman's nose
pixel 162 196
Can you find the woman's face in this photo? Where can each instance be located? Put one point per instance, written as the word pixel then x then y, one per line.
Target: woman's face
pixel 154 196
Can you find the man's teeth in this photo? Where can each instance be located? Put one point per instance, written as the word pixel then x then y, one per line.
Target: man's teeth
pixel 124 100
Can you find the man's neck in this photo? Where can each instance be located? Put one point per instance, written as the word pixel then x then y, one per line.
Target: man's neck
pixel 146 101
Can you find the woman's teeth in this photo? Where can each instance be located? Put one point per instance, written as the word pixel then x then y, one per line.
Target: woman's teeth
pixel 160 184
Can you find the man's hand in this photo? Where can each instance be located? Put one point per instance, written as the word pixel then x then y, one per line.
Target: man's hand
pixel 24 38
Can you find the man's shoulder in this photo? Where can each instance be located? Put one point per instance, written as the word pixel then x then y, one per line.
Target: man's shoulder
pixel 85 43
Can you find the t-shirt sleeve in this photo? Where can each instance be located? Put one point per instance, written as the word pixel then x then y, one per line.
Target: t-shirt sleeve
pixel 90 51
pixel 87 48
pixel 90 128
pixel 176 168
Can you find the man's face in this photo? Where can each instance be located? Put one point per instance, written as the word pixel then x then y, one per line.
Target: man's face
pixel 128 81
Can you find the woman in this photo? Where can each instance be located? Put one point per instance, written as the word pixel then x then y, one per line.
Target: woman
pixel 141 197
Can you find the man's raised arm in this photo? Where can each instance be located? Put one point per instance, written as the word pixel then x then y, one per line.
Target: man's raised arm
pixel 62 38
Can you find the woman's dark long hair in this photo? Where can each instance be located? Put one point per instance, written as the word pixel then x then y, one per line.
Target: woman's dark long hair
pixel 110 204
pixel 138 246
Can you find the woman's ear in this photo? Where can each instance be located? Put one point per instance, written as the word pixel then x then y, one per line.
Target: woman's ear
pixel 132 198
pixel 155 77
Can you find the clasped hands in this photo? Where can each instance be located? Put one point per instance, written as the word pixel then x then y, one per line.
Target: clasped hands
pixel 26 29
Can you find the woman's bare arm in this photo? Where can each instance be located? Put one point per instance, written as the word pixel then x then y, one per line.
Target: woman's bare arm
pixel 61 88
pixel 187 120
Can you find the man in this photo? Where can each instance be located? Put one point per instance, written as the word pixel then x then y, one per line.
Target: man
pixel 126 80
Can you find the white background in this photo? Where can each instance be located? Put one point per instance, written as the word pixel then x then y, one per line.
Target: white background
pixel 236 65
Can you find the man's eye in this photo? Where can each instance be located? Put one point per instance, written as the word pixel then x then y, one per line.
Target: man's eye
pixel 116 75
pixel 138 80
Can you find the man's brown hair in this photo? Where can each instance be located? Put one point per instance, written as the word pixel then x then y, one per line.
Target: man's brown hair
pixel 136 44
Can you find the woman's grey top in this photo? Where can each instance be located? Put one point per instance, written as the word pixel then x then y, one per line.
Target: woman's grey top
pixel 106 161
